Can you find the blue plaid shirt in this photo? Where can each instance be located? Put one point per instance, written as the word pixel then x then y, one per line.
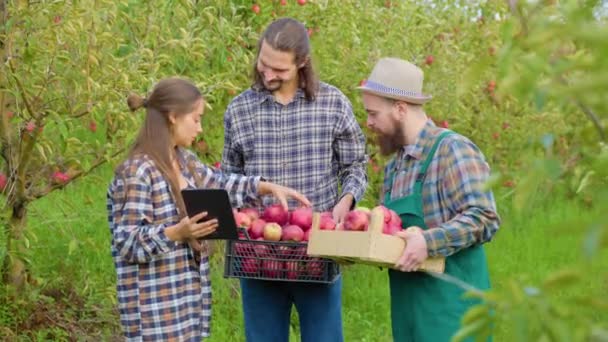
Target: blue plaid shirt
pixel 312 146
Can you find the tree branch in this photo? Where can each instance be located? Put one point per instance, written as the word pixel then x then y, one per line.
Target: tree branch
pixel 593 117
pixel 100 161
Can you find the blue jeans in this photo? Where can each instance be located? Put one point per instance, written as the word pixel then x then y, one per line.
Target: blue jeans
pixel 267 310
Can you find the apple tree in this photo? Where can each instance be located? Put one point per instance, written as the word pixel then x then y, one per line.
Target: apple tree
pixel 65 71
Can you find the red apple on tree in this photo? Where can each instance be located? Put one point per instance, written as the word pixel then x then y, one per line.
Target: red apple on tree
pixel 255 8
pixel 3 181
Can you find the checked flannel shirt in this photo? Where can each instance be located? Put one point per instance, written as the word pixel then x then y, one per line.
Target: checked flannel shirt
pixel 312 146
pixel 458 210
pixel 163 293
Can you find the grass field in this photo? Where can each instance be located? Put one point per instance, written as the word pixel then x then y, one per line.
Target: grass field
pixel 71 259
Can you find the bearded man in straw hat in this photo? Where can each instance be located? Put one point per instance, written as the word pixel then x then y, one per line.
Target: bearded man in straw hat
pixel 435 182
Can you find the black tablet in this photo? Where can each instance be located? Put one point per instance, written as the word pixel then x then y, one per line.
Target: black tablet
pixel 217 204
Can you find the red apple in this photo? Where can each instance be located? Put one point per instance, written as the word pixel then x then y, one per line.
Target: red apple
pixel 429 60
pixel 444 124
pixel 292 269
pixel 251 212
pixel 3 181
pixel 301 217
pixel 356 220
pixel 60 177
pixel 327 222
pixel 272 268
pixel 385 212
pixel 255 8
pixel 283 2
pixel 30 126
pixel 292 233
pixel 256 230
pixel 314 267
pixel 261 250
pixel 272 231
pixel 243 249
pixel 306 235
pixel 242 220
pixel 301 2
pixel 276 213
pixel 250 265
pixel 93 126
pixel 395 219
pixel 391 229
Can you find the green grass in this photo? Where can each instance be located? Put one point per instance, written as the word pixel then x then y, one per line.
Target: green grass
pixel 70 251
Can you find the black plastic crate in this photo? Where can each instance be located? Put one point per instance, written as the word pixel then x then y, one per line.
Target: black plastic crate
pixel 277 261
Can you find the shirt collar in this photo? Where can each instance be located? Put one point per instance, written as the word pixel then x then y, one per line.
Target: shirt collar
pixel 415 150
pixel 266 95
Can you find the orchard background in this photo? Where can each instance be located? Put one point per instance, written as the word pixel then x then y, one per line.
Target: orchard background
pixel 525 81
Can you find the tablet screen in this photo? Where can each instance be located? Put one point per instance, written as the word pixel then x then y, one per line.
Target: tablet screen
pixel 217 205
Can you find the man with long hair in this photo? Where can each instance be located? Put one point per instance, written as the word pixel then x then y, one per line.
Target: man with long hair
pixel 299 132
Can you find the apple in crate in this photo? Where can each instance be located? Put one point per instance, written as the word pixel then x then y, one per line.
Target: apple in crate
pixel 386 213
pixel 292 233
pixel 272 268
pixel 251 212
pixel 277 214
pixel 242 220
pixel 292 269
pixel 314 267
pixel 301 217
pixel 272 231
pixel 391 229
pixel 327 222
pixel 249 265
pixel 356 220
pixel 243 249
pixel 257 229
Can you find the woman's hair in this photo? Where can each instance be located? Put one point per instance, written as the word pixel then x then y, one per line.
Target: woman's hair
pixel 289 35
pixel 170 96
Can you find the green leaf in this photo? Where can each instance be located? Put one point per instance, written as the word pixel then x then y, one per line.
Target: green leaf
pixel 72 246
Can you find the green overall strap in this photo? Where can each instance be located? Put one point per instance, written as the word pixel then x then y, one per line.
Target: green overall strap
pixel 427 162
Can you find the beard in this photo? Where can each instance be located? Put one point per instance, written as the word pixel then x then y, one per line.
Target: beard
pixel 272 85
pixel 391 143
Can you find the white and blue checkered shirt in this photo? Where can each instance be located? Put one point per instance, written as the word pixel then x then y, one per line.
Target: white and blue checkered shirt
pixel 314 146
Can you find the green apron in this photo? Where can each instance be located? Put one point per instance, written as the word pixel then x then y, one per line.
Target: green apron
pixel 424 308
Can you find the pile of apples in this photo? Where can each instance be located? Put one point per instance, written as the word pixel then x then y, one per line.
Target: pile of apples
pixel 277 224
pixel 359 219
pixel 270 259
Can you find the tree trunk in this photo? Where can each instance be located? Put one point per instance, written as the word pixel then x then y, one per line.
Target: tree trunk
pixel 14 270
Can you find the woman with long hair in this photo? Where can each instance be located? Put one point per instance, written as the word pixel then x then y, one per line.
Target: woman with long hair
pixel 163 286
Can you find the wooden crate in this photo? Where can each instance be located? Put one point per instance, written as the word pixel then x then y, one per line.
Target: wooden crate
pixel 370 247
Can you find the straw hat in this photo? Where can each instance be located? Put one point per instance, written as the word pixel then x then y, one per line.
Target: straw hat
pixel 396 79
